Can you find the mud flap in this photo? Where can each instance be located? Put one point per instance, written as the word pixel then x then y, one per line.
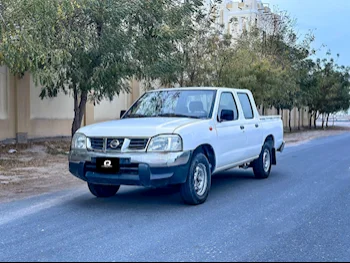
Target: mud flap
pixel 274 157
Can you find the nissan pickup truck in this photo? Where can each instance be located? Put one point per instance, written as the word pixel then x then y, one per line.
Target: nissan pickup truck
pixel 177 136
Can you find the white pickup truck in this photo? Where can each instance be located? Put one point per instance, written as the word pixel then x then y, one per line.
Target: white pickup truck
pixel 178 136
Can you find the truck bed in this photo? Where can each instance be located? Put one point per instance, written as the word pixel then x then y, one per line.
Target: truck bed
pixel 269 118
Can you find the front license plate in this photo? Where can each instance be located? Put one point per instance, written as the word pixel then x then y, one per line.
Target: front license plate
pixel 107 165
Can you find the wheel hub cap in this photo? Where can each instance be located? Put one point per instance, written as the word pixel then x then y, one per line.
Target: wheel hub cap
pixel 266 160
pixel 200 179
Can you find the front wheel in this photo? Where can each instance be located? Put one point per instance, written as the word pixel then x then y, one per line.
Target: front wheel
pixel 262 166
pixel 103 191
pixel 196 189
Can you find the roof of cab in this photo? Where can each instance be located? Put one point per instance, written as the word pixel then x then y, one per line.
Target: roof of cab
pixel 200 88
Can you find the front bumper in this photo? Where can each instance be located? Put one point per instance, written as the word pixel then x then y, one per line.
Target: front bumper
pixel 144 169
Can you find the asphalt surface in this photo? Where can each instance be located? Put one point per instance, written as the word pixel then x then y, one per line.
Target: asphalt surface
pixel 301 213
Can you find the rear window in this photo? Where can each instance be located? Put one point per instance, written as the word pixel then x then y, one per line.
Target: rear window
pixel 246 105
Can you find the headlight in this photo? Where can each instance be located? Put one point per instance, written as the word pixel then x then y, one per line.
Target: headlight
pixel 165 143
pixel 79 141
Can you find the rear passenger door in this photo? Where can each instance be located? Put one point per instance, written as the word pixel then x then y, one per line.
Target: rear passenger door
pixel 231 137
pixel 250 125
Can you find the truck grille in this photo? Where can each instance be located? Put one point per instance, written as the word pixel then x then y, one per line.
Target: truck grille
pixel 138 144
pixel 97 143
pixel 102 144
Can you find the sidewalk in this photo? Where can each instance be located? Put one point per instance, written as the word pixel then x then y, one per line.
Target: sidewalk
pixel 298 137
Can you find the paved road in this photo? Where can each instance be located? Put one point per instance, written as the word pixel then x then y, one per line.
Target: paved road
pixel 301 213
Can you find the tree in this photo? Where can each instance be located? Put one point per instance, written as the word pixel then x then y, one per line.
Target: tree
pixel 159 37
pixel 90 48
pixel 307 83
pixel 69 46
pixel 334 88
pixel 200 53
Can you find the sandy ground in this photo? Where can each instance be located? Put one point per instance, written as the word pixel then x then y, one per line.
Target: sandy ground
pixel 299 137
pixel 34 169
pixel 39 168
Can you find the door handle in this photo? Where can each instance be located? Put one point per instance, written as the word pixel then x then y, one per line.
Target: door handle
pixel 257 125
pixel 242 127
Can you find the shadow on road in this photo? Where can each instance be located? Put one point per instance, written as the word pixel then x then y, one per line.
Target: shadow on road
pixel 143 198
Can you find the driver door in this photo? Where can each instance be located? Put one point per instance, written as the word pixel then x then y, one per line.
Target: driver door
pixel 231 138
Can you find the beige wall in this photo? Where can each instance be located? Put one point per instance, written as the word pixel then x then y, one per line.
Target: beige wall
pixel 40 128
pixel 23 115
pixel 109 110
pixel 50 116
pixel 304 117
pixel 7 100
pixel 59 108
pixel 3 94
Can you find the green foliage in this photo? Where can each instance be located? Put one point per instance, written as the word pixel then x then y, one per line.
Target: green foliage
pixel 94 48
pixel 333 87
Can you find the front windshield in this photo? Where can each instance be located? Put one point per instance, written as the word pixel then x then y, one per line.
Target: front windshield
pixel 174 103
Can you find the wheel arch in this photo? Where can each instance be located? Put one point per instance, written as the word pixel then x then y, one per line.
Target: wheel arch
pixel 270 138
pixel 209 152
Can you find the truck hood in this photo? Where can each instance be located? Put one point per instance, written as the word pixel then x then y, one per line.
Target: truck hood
pixel 136 127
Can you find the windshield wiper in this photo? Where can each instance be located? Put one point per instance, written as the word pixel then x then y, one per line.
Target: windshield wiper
pixel 136 116
pixel 176 115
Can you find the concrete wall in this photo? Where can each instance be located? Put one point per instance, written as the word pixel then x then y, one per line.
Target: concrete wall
pixel 61 108
pixel 295 116
pixel 50 116
pixel 3 94
pixel 23 115
pixel 7 102
pixel 108 110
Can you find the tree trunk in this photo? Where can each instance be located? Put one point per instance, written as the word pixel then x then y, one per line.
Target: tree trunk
pixel 322 121
pixel 278 111
pixel 310 120
pixel 182 79
pixel 299 118
pixel 79 110
pixel 290 120
pixel 327 120
pixel 315 120
pixel 282 118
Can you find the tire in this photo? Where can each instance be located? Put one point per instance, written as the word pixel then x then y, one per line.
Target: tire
pixel 196 189
pixel 103 191
pixel 262 166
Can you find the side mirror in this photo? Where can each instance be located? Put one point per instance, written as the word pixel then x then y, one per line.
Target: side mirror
pixel 226 115
pixel 122 113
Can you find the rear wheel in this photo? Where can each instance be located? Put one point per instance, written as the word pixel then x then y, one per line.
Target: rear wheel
pixel 196 189
pixel 103 191
pixel 262 166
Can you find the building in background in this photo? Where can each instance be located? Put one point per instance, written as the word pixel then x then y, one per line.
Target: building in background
pixel 238 16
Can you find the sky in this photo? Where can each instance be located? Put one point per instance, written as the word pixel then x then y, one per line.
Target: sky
pixel 329 20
